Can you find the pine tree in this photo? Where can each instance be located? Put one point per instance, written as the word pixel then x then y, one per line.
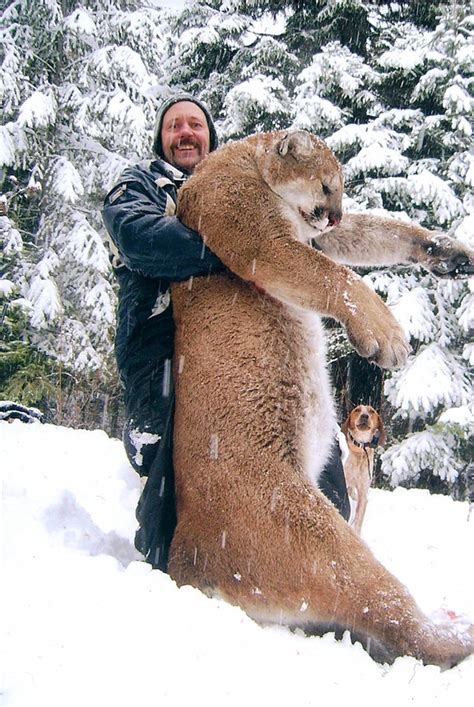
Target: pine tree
pixel 243 72
pixel 391 97
pixel 435 188
pixel 386 84
pixel 80 88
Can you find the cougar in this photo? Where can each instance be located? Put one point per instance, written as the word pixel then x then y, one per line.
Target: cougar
pixel 254 413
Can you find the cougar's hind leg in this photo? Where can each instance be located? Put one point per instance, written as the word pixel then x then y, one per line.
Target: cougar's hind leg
pixel 358 593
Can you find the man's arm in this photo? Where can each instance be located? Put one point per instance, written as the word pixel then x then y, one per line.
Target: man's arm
pixel 149 241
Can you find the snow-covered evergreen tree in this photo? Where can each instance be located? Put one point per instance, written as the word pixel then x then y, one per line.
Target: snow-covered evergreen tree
pixel 436 189
pixel 386 84
pixel 80 88
pixel 388 87
pixel 236 64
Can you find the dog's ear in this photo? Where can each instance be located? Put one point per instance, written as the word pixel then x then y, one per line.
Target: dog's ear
pixel 381 429
pixel 345 425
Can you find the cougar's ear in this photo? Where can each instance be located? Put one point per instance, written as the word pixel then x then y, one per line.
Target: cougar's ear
pixel 296 143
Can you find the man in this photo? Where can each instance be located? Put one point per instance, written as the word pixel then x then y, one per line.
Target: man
pixel 149 249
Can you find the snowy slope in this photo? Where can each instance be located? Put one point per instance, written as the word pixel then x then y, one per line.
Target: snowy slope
pixel 87 623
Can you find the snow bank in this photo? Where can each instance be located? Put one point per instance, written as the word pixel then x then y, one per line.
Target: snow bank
pixel 87 623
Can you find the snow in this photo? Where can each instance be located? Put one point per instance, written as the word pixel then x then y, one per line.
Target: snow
pixel 431 450
pixel 433 377
pixel 463 415
pixel 407 59
pixel 415 315
pixel 86 622
pixel 466 312
pixel 6 287
pixel 85 245
pixel 99 299
pixel 374 157
pixel 457 100
pixel 426 189
pixel 38 111
pixel 121 109
pixel 80 22
pixel 314 113
pixel 140 440
pixel 259 93
pixel 45 301
pixel 67 181
pixel 7 144
pixel 465 230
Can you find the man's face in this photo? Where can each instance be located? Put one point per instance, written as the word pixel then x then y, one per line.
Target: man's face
pixel 185 135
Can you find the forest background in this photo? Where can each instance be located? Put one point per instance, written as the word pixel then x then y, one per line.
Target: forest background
pixel 388 85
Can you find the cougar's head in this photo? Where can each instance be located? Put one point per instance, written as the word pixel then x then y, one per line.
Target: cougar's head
pixel 304 172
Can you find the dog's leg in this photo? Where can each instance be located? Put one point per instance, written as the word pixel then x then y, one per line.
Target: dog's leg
pixel 360 513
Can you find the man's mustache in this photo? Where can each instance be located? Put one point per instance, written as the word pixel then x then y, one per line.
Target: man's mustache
pixel 185 143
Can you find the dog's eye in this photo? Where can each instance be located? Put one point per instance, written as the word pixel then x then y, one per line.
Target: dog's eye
pixel 326 190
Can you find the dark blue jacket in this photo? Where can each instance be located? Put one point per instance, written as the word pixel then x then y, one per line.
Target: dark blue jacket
pixel 149 248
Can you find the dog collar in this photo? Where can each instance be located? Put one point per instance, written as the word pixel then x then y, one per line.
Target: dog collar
pixel 363 445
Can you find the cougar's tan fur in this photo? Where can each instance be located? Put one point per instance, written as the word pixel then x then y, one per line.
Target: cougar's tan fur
pixel 254 416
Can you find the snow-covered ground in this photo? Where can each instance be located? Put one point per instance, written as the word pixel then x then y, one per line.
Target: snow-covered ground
pixel 85 622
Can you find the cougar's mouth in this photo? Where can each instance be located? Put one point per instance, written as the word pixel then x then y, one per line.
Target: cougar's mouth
pixel 320 219
pixel 314 219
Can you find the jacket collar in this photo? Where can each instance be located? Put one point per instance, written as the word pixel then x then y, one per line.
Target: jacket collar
pixel 176 175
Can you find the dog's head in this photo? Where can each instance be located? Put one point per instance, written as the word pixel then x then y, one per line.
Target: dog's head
pixel 304 172
pixel 365 426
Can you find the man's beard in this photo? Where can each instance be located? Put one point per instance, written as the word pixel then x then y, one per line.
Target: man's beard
pixel 184 160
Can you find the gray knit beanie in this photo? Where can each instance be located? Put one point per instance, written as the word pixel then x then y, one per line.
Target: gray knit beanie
pixel 178 98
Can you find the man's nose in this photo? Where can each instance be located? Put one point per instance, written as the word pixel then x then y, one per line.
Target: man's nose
pixel 185 131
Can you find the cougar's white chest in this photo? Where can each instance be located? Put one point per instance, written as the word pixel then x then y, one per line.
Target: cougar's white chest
pixel 317 427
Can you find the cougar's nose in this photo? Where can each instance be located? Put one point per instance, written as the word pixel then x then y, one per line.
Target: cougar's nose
pixel 334 217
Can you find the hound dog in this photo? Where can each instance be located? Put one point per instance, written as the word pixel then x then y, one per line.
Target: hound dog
pixel 363 431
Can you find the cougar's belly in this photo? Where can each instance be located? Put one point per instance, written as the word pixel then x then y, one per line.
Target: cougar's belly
pixel 250 378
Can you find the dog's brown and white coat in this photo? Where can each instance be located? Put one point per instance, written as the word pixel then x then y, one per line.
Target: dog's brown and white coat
pixel 364 431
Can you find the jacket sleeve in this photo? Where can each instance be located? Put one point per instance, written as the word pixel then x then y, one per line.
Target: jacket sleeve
pixel 150 242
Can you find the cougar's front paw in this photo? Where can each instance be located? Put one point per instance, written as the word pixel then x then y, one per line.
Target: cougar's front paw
pixel 388 348
pixel 374 332
pixel 448 258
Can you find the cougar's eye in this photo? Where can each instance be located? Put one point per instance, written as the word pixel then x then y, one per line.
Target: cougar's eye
pixel 326 190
